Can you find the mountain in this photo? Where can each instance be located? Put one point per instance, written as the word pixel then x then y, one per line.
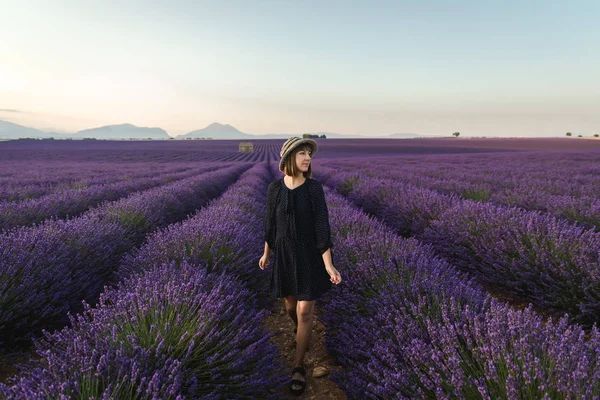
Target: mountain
pixel 123 131
pixel 218 131
pixel 9 130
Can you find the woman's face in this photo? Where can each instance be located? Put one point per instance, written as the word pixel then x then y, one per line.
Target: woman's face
pixel 303 159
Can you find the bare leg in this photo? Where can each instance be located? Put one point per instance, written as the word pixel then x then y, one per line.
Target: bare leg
pixel 290 307
pixel 305 321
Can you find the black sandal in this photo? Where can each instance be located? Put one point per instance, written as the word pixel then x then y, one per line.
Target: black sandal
pixel 302 384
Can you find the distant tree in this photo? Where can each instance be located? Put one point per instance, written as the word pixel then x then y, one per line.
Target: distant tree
pixel 456 134
pixel 323 136
pixel 568 133
pixel 579 136
pixel 596 135
pixel 171 138
pixel 309 136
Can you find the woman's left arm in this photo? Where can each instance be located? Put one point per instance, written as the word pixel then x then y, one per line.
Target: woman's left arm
pixel 327 259
pixel 322 230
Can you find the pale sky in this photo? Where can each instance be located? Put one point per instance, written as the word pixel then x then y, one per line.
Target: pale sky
pixel 523 68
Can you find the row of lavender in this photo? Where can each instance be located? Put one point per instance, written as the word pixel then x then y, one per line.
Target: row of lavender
pixel 72 202
pixel 184 323
pixel 31 180
pixel 128 152
pixel 406 325
pixel 48 269
pixel 566 185
pixel 560 173
pixel 542 259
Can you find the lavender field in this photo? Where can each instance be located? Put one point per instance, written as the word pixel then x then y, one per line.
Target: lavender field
pixel 471 269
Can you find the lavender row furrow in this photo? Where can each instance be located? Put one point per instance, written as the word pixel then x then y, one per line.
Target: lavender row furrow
pixel 406 325
pixel 223 231
pixel 74 202
pixel 29 183
pixel 185 323
pixel 48 269
pixel 515 181
pixel 550 262
pixel 574 174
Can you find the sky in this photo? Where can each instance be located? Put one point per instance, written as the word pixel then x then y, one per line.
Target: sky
pixel 483 68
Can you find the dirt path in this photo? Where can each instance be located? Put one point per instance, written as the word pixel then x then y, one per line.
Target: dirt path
pixel 317 388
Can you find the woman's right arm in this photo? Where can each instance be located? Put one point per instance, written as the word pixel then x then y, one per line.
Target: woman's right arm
pixel 270 225
pixel 267 249
pixel 269 220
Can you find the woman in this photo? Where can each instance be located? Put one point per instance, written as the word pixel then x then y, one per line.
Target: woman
pixel 297 231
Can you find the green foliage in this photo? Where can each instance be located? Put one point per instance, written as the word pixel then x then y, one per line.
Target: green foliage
pixel 348 185
pixel 476 194
pixel 131 220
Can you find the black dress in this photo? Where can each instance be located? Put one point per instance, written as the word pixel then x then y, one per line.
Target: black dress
pixel 297 230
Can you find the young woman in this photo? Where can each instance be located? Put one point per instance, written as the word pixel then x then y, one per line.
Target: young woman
pixel 297 231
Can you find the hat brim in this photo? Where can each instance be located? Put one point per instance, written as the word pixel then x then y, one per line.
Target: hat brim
pixel 291 148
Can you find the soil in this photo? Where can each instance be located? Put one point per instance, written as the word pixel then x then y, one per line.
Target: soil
pixel 9 362
pixel 280 324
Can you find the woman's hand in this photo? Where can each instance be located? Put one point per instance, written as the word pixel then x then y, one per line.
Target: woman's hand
pixel 264 261
pixel 334 275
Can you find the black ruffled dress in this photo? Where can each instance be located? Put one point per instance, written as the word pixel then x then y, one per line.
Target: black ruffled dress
pixel 297 230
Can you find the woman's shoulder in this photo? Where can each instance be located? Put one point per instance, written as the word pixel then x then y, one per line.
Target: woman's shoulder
pixel 275 184
pixel 314 186
pixel 313 182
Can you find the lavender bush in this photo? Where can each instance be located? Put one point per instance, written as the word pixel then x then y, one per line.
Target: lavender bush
pixel 174 329
pixel 50 268
pixel 549 262
pixel 75 201
pixel 405 325
pixel 174 332
pixel 227 233
pixel 542 259
pixel 563 184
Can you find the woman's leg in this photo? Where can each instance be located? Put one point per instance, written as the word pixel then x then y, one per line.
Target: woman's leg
pixel 290 307
pixel 305 321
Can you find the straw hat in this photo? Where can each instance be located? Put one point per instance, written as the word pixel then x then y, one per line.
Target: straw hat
pixel 291 144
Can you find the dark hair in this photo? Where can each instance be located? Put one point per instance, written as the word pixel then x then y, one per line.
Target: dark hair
pixel 289 165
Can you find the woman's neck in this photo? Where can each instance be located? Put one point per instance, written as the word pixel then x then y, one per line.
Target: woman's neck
pixel 294 181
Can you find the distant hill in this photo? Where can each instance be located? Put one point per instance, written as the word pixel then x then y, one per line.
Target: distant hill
pixel 8 130
pixel 217 131
pixel 123 131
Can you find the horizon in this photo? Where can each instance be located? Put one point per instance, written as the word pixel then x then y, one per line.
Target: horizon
pixel 501 70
